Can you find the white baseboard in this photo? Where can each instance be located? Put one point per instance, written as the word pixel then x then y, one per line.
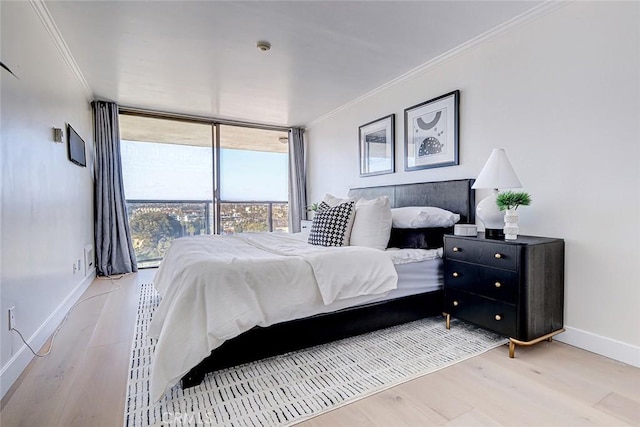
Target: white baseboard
pixel 613 349
pixel 21 359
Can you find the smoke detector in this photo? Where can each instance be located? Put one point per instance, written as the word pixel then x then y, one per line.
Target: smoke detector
pixel 263 46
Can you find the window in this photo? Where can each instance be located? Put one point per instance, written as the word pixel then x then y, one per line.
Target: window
pixel 170 171
pixel 253 180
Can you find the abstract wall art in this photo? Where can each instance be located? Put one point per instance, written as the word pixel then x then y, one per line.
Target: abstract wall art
pixel 431 133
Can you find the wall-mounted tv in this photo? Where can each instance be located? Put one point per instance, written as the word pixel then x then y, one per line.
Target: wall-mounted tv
pixel 76 147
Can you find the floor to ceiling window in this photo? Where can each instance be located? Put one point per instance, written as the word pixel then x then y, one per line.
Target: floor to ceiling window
pixel 253 180
pixel 171 169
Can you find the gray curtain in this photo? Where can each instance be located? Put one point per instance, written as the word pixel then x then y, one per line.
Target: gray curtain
pixel 114 250
pixel 297 180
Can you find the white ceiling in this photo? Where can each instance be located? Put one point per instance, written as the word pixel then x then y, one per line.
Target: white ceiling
pixel 201 58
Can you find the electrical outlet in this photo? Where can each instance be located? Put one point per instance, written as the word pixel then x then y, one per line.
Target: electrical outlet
pixel 12 318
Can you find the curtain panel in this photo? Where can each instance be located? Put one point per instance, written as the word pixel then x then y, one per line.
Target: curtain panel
pixel 114 248
pixel 297 180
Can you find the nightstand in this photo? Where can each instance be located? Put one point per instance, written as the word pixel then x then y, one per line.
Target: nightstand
pixel 514 288
pixel 305 225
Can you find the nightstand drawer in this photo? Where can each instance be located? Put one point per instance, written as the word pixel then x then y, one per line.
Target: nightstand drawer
pixel 488 313
pixel 486 281
pixel 493 254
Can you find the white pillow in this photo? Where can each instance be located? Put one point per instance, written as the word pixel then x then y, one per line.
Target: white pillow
pixel 372 224
pixel 423 217
pixel 332 200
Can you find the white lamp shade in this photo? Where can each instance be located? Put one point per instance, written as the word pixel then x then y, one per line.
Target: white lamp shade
pixel 497 172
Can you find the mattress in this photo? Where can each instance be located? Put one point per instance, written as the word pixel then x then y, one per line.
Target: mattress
pixel 417 278
pixel 417 271
pixel 414 278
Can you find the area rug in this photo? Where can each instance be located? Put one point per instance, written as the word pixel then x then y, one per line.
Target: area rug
pixel 287 389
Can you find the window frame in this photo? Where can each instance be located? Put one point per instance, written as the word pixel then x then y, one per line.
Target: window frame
pixel 215 123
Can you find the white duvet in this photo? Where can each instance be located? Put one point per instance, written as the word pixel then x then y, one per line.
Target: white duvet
pixel 213 288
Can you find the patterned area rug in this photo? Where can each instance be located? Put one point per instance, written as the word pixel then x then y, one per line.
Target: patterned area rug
pixel 287 389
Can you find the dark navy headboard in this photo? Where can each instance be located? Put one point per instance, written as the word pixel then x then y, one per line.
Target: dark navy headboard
pixel 455 196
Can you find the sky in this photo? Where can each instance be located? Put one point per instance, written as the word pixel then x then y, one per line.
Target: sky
pixel 154 171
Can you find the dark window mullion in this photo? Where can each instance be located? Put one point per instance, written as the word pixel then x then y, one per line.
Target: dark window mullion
pixel 216 178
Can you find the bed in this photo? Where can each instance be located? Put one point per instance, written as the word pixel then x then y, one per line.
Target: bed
pixel 382 308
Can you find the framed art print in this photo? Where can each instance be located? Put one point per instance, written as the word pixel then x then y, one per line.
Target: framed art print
pixel 377 146
pixel 431 133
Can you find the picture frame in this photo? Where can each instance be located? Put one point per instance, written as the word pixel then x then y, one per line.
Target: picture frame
pixel 377 146
pixel 431 132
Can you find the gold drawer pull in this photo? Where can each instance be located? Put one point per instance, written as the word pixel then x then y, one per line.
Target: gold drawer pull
pixel 455 274
pixel 498 317
pixel 498 284
pixel 455 303
pixel 456 249
pixel 498 256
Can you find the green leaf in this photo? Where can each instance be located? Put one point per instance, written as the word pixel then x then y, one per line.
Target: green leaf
pixel 511 200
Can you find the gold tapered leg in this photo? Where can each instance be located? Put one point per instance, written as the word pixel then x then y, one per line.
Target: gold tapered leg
pixel 513 341
pixel 447 320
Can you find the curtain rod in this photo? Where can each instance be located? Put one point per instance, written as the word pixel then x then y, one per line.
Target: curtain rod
pixel 197 119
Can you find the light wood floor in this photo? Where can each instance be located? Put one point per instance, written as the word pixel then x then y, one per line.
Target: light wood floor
pixel 82 382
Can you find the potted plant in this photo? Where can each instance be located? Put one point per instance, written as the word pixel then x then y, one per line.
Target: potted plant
pixel 509 202
pixel 312 209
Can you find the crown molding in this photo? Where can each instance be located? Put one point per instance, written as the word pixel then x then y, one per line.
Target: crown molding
pixel 528 16
pixel 47 20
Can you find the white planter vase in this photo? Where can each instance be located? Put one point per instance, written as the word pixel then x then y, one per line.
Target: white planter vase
pixel 511 228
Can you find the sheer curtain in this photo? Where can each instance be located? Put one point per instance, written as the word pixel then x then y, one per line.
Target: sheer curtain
pixel 114 249
pixel 297 180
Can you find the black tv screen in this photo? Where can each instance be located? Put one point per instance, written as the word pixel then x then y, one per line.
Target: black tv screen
pixel 76 147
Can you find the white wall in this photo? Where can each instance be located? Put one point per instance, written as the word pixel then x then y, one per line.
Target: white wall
pixel 47 202
pixel 561 94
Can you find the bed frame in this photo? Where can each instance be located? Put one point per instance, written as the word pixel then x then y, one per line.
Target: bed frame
pixel 261 342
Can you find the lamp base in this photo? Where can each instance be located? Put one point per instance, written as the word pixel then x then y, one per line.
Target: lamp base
pixel 493 218
pixel 494 233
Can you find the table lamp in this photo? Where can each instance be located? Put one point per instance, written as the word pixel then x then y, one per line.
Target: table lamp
pixel 496 174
